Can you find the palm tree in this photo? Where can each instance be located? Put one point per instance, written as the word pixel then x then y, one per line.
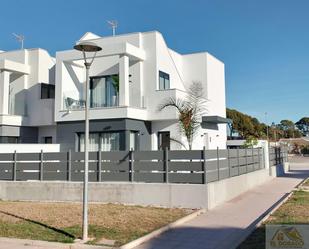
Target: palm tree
pixel 190 111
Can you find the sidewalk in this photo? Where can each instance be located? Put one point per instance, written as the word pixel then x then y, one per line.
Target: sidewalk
pixel 225 226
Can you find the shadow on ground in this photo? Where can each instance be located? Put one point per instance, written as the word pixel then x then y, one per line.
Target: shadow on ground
pixel 40 224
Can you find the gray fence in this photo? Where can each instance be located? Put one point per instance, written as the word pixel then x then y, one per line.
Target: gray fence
pixel 277 155
pixel 195 166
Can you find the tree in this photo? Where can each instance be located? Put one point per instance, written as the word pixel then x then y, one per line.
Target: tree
pixel 245 125
pixel 190 111
pixel 289 129
pixel 248 126
pixel 287 124
pixel 303 125
pixel 250 142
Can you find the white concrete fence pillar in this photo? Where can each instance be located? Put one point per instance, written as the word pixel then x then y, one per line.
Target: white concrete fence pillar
pixel 265 147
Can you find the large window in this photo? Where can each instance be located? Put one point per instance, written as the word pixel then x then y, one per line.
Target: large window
pixel 106 141
pixel 47 91
pixel 104 91
pixel 164 81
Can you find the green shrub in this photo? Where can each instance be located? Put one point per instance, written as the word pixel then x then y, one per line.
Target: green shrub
pixel 305 150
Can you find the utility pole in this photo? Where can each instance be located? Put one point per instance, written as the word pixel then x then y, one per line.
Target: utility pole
pixel 266 126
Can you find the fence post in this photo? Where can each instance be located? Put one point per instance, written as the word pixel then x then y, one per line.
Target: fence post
pixel 14 165
pixel 165 158
pixel 99 166
pixel 69 165
pixel 41 165
pixel 259 156
pixel 228 161
pixel 253 163
pixel 204 165
pixel 131 161
pixel 246 156
pixel 238 161
pixel 218 164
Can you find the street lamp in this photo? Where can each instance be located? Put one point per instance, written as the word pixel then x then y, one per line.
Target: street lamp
pixel 86 47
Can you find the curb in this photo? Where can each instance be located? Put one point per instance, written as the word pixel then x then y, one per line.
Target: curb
pixel 161 230
pixel 27 243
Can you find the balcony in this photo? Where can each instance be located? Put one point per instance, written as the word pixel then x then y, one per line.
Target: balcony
pixel 106 107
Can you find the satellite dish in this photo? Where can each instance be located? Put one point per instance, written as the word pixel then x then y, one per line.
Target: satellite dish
pixel 20 38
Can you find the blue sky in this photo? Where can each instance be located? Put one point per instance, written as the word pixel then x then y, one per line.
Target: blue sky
pixel 263 43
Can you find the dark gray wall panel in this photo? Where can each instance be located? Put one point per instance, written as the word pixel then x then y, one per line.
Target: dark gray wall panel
pixel 149 177
pixel 66 131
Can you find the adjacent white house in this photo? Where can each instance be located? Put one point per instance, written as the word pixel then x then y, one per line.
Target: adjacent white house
pixel 27 83
pixel 132 75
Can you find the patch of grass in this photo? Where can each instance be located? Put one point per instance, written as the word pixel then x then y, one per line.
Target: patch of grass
pixel 306 183
pixel 61 222
pixel 294 211
pixel 29 230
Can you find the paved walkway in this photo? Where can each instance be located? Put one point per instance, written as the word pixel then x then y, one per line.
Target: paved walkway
pixel 224 226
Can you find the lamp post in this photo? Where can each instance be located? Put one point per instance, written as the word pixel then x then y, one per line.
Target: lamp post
pixel 267 132
pixel 86 47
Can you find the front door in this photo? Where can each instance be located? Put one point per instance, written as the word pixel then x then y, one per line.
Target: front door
pixel 163 140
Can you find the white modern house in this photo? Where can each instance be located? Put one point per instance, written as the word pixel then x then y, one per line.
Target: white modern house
pixel 27 83
pixel 132 75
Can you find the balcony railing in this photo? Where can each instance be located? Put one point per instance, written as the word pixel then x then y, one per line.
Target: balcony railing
pixel 77 104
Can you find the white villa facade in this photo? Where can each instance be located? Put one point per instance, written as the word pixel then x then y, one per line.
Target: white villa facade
pixel 27 83
pixel 129 79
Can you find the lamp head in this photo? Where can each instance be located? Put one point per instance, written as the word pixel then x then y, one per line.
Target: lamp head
pixel 87 47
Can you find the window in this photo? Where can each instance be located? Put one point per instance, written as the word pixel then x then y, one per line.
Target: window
pixel 164 81
pixel 104 91
pixel 47 91
pixel 163 140
pixel 48 140
pixel 107 141
pixel 8 140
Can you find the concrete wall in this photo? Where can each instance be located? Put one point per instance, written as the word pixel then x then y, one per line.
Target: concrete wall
pixel 167 195
pixel 47 131
pixel 227 189
pixel 156 194
pixel 29 148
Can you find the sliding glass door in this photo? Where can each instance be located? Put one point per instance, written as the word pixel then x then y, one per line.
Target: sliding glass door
pixel 107 141
pixel 104 91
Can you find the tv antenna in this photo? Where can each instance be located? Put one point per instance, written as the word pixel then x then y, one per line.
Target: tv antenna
pixel 113 25
pixel 20 38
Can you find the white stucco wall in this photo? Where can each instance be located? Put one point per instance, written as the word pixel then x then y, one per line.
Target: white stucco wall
pixel 24 98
